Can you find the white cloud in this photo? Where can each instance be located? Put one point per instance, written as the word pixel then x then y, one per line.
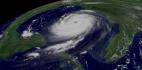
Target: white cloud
pixel 33 54
pixel 26 34
pixel 84 52
pixel 73 25
pixel 1 36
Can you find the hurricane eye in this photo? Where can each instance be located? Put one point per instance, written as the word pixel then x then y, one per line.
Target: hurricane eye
pixel 74 35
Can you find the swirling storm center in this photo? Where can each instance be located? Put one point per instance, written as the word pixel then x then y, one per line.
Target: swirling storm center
pixel 74 26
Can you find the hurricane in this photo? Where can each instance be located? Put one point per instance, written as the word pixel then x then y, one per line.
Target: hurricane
pixel 74 35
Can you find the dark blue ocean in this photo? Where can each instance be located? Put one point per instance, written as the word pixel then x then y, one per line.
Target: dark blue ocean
pixel 130 61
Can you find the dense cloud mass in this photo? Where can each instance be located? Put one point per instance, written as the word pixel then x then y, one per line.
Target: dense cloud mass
pixel 76 35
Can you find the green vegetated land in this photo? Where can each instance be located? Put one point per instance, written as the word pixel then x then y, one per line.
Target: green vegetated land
pixel 12 43
pixel 127 13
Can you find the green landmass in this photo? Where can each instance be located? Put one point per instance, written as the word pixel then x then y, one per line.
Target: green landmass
pixel 72 60
pixel 11 43
pixel 127 13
